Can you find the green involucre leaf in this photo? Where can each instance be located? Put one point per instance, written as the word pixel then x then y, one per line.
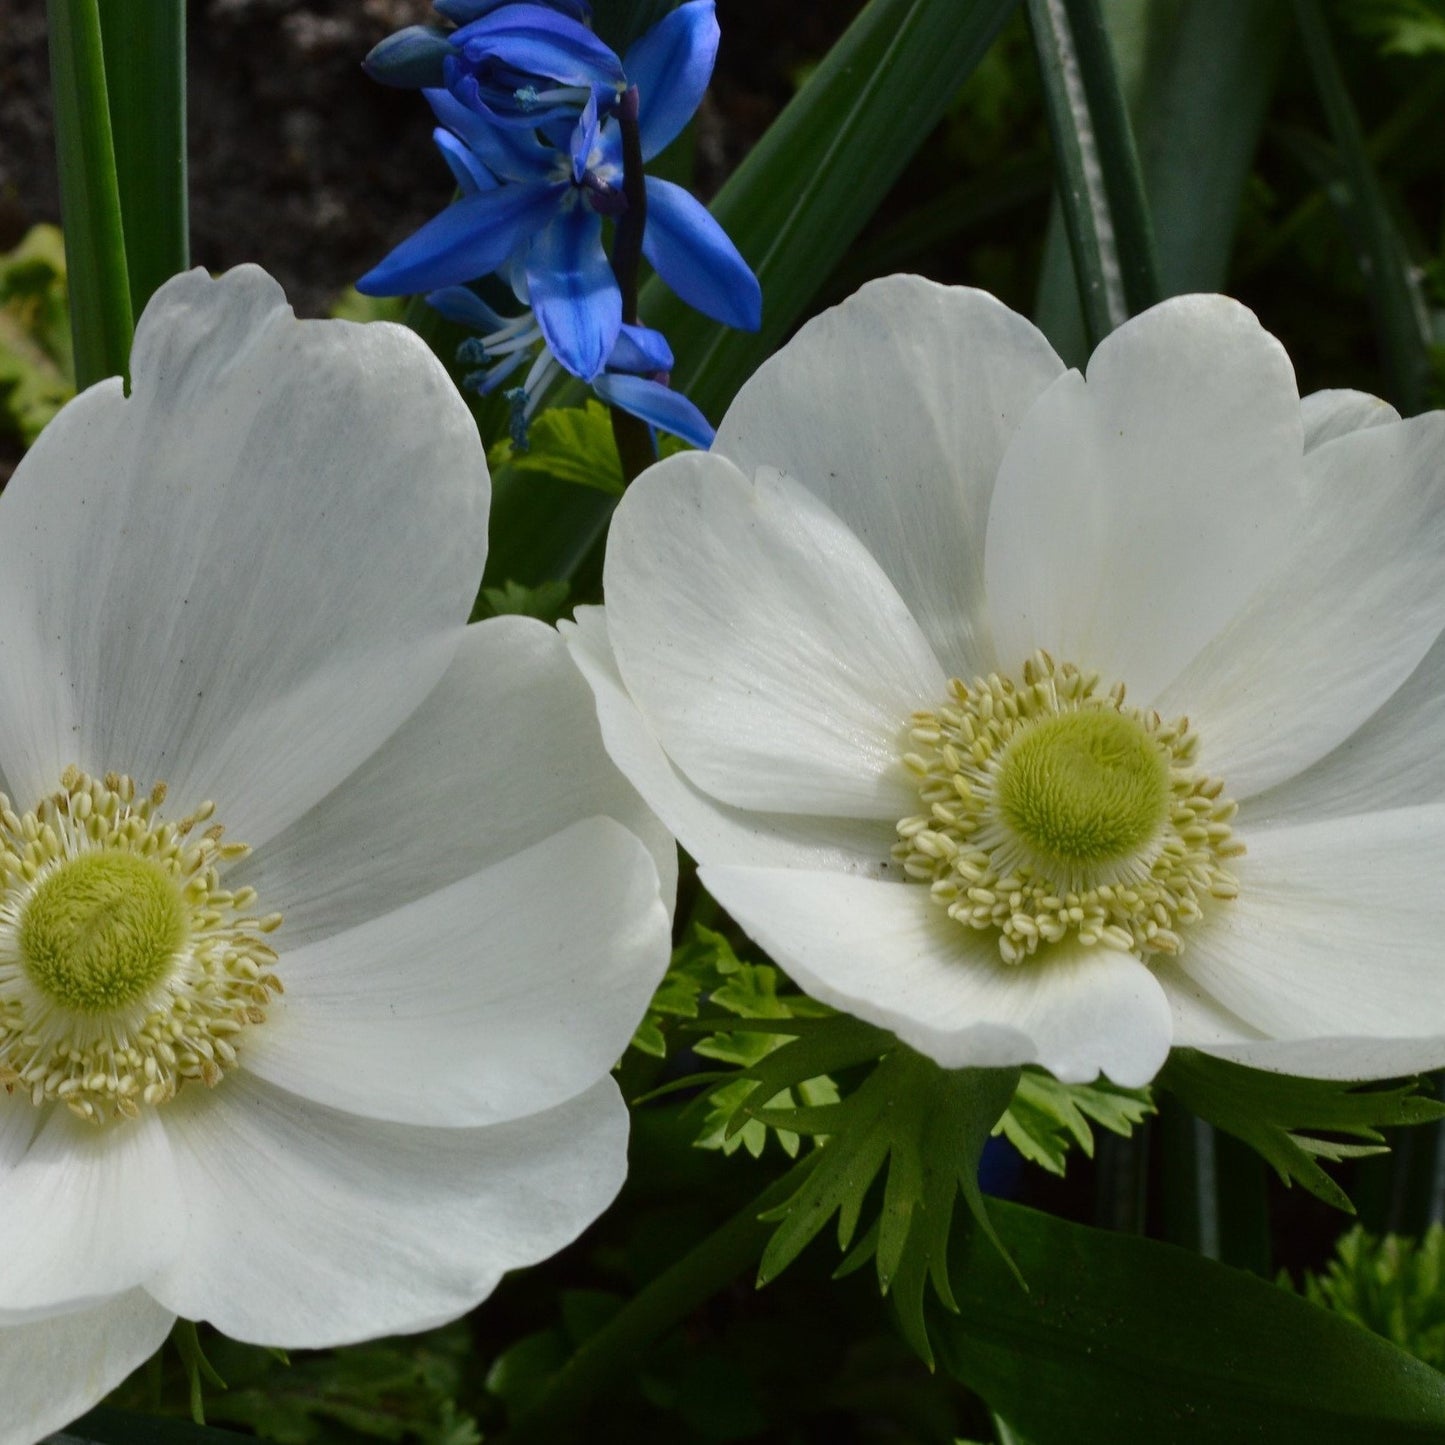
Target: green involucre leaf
pixel 1400 27
pixel 922 1129
pixel 1394 1286
pixel 1279 1116
pixel 810 185
pixel 547 602
pixel 1122 1338
pixel 1046 1119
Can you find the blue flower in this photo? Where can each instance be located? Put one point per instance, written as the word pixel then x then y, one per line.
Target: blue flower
pixel 513 64
pixel 635 378
pixel 532 205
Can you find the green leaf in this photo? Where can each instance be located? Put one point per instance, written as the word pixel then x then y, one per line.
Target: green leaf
pixel 1392 1286
pixel 568 444
pixel 806 190
pixel 927 1127
pixel 697 965
pixel 1401 27
pixel 1122 1338
pixel 35 347
pixel 145 71
pixel 1046 1118
pixel 1100 184
pixel 1401 318
pixel 100 310
pixel 1279 1117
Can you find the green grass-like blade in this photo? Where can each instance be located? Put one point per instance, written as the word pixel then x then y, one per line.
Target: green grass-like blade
pixel 145 68
pixel 1099 181
pixel 811 184
pixel 100 309
pixel 1399 311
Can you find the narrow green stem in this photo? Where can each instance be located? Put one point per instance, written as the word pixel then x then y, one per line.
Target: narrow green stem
pixel 100 309
pixel 1190 1179
pixel 145 67
pixel 608 1355
pixel 634 441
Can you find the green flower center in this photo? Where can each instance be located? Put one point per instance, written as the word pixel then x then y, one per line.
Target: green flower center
pixel 127 967
pixel 1050 810
pixel 1084 787
pixel 102 930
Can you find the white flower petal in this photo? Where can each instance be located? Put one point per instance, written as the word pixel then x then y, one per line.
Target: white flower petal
pixel 309 1227
pixel 55 1369
pixel 1134 513
pixel 1396 760
pixel 241 578
pixel 504 752
pixel 1356 603
pixel 1331 414
pixel 773 659
pixel 1333 947
pixel 500 996
pixel 886 953
pixel 709 830
pixel 91 1212
pixel 895 408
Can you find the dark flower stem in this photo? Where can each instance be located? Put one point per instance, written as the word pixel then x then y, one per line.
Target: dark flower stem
pixel 604 1359
pixel 634 441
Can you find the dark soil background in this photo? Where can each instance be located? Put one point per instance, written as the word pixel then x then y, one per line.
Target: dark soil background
pixel 303 164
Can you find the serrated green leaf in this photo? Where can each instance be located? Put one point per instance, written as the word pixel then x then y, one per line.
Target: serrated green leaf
pixel 1046 1118
pixel 1123 1338
pixel 547 601
pixel 1393 1286
pixel 568 444
pixel 1279 1117
pixel 928 1126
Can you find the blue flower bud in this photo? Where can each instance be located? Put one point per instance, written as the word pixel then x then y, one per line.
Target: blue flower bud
pixel 411 59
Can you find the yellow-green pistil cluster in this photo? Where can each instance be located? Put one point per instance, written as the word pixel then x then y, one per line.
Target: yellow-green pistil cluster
pixel 125 967
pixel 1052 809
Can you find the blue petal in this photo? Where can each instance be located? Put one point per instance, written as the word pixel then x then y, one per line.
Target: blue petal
pixel 539 42
pixel 657 405
pixel 463 12
pixel 574 293
pixel 670 66
pixel 412 58
pixel 471 238
pixel 640 349
pixel 465 307
pixel 468 172
pixel 514 155
pixel 692 253
pixel 584 137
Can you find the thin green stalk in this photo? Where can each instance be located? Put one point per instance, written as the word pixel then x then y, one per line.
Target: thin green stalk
pixel 608 1355
pixel 1400 315
pixel 1096 164
pixel 100 310
pixel 145 68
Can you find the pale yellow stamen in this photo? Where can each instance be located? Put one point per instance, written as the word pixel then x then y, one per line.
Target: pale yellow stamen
pixel 1052 810
pixel 126 968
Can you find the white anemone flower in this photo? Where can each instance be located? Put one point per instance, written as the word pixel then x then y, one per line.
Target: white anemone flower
pixel 1048 719
pixel 328 1073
